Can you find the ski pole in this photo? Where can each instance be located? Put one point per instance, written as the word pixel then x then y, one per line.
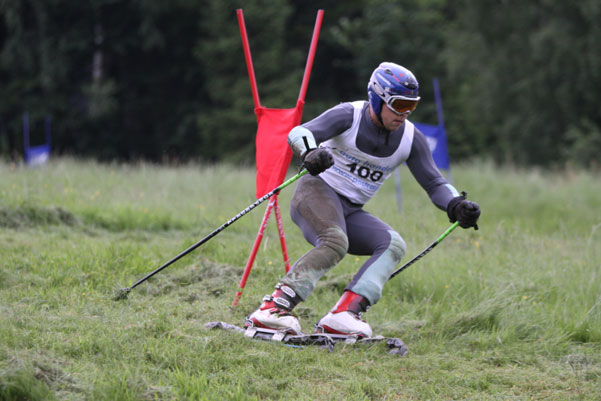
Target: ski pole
pixel 425 251
pixel 122 293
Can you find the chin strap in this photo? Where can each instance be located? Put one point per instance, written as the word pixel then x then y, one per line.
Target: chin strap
pixel 379 115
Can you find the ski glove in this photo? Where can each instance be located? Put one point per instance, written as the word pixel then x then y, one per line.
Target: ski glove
pixel 464 211
pixel 318 160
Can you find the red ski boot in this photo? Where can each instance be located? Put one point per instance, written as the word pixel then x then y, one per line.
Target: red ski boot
pixel 345 317
pixel 275 311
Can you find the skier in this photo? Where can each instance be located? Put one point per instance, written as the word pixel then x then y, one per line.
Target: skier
pixel 349 151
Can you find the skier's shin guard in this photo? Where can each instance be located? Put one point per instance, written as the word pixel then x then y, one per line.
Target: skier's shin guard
pixel 304 274
pixel 373 275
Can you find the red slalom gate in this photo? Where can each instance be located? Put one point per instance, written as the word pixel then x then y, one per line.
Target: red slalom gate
pixel 273 155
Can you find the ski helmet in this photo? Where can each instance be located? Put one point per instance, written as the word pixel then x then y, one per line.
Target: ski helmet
pixel 395 86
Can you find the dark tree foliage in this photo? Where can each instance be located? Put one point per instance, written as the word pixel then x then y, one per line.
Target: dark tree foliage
pixel 523 79
pixel 167 80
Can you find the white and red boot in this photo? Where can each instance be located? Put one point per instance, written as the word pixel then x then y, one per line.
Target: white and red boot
pixel 275 311
pixel 345 317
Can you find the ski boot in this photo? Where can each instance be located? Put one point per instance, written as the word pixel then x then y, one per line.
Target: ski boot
pixel 275 311
pixel 345 317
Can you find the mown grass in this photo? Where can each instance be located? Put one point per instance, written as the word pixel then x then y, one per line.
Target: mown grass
pixel 509 312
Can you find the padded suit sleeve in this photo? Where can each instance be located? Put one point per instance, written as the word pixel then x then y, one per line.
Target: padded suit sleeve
pixel 301 140
pixel 424 170
pixel 330 123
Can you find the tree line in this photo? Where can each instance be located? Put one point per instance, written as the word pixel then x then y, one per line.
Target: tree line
pixel 158 80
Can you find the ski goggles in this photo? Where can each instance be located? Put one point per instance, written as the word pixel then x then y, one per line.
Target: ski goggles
pixel 401 105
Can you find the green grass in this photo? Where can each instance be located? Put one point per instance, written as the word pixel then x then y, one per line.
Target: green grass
pixel 509 312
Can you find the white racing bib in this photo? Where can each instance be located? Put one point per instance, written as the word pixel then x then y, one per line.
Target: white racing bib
pixel 358 175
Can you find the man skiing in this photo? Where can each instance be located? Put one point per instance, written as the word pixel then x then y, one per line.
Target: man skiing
pixel 350 150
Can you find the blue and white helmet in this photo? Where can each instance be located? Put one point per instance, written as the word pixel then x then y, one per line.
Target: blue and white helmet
pixel 391 82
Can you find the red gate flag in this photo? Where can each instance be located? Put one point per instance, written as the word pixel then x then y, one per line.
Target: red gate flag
pixel 273 154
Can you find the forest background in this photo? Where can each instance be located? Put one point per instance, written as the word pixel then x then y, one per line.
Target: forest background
pixel 164 81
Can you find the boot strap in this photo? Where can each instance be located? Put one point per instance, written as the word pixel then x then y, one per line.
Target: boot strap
pixel 285 298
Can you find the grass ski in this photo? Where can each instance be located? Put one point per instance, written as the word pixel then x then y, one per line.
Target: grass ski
pixel 323 340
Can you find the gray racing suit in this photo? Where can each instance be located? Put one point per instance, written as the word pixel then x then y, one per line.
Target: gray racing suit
pixel 329 208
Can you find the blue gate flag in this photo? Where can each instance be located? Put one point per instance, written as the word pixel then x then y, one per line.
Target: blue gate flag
pixel 36 155
pixel 437 141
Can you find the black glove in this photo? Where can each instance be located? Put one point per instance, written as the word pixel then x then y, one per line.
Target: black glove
pixel 464 211
pixel 318 160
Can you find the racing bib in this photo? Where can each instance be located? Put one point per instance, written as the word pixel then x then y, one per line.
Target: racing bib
pixel 358 175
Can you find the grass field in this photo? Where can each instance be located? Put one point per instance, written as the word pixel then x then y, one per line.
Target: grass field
pixel 509 312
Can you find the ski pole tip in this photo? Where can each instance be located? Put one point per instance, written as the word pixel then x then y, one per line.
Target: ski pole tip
pixel 122 294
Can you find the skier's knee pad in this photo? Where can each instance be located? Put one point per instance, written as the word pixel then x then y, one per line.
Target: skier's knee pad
pixel 397 246
pixel 335 241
